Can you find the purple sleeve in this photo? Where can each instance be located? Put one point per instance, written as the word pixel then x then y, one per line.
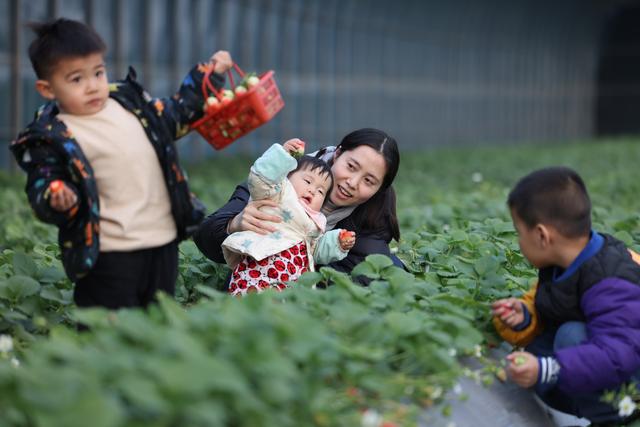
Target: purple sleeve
pixel 611 353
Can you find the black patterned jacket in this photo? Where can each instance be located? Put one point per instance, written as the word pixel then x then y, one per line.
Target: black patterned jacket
pixel 47 151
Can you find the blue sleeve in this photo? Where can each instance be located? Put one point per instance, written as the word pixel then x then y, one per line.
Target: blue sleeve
pixel 269 172
pixel 328 249
pixel 275 164
pixel 527 319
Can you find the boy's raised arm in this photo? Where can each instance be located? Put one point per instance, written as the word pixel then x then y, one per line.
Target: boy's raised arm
pixel 187 105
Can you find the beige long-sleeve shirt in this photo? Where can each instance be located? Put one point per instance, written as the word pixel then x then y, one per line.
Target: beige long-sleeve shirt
pixel 135 210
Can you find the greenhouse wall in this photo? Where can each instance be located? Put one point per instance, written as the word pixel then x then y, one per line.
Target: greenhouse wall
pixel 432 73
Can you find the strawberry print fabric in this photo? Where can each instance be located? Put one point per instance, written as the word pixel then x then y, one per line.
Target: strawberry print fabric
pixel 271 272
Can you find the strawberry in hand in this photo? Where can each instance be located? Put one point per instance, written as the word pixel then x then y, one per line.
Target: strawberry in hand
pixel 295 147
pixel 509 311
pixel 61 197
pixel 346 239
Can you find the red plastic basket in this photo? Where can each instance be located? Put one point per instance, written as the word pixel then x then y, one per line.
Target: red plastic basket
pixel 222 125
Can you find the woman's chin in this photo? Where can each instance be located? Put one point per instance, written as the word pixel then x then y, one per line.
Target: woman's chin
pixel 340 202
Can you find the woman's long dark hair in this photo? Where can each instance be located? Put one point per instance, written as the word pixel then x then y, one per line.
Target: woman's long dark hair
pixel 380 210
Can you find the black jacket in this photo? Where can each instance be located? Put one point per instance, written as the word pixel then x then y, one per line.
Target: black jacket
pixel 213 230
pixel 562 301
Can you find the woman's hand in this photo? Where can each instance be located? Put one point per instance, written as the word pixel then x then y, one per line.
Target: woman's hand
pixel 251 218
pixel 523 368
pixel 346 239
pixel 61 198
pixel 509 311
pixel 222 61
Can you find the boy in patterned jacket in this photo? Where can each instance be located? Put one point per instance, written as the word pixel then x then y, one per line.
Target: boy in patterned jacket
pixel 580 324
pixel 103 168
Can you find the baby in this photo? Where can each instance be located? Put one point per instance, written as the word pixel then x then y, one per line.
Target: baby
pixel 300 188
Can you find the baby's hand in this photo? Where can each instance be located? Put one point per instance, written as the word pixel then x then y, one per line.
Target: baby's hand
pixel 295 147
pixel 509 311
pixel 523 368
pixel 222 61
pixel 346 239
pixel 61 197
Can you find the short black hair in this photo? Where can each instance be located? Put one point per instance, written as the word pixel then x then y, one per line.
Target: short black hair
pixel 313 163
pixel 61 39
pixel 556 196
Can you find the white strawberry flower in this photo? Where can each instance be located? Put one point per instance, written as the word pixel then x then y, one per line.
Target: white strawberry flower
pixel 436 393
pixel 6 344
pixel 453 352
pixel 476 177
pixel 477 350
pixel 15 362
pixel 371 418
pixel 457 389
pixel 626 407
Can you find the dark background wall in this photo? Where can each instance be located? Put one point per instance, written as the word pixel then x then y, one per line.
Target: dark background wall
pixel 429 72
pixel 618 102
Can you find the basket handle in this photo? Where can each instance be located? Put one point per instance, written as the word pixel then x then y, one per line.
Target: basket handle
pixel 206 82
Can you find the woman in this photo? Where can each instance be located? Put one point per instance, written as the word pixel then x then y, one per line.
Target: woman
pixel 362 199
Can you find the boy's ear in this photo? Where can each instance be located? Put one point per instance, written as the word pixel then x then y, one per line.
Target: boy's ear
pixel 44 89
pixel 544 235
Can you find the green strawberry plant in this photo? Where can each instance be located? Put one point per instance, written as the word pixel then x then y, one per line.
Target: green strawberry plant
pixel 328 352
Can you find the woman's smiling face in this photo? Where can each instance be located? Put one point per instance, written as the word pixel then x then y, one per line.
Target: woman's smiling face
pixel 357 175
